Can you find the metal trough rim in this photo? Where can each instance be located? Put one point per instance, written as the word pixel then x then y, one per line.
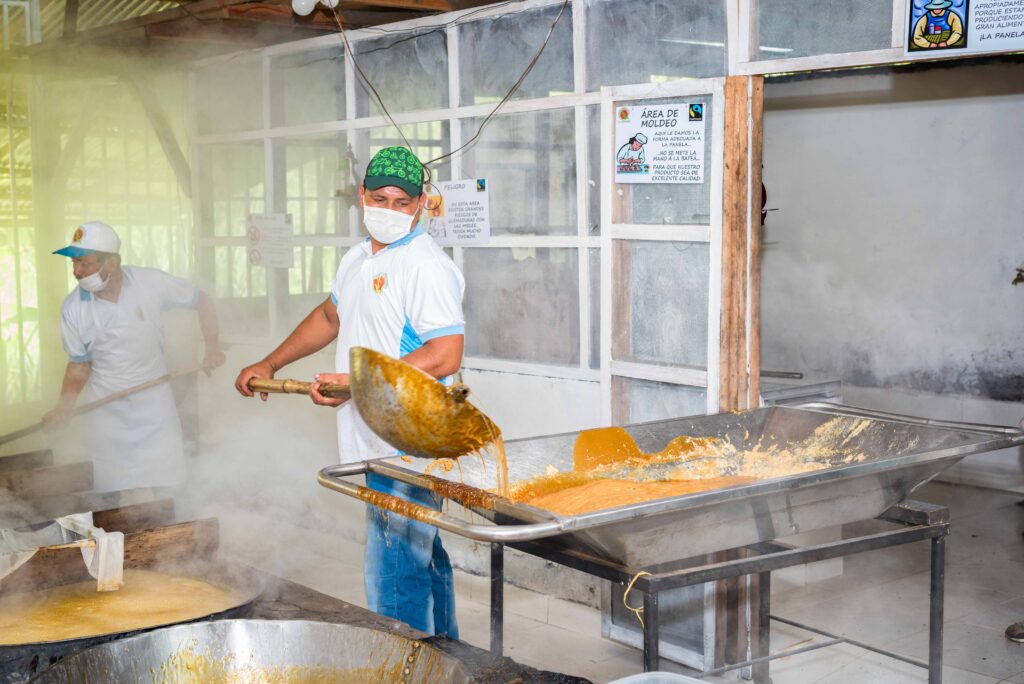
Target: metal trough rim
pixel 547 524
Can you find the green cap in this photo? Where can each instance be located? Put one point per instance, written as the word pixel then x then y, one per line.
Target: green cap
pixel 395 166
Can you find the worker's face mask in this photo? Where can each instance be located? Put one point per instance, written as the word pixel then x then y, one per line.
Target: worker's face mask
pixel 94 282
pixel 385 225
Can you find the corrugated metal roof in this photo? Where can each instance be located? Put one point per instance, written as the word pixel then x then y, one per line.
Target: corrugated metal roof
pixel 93 13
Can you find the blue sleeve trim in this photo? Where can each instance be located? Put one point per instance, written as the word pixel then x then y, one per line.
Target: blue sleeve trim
pixel 334 299
pixel 80 359
pixel 443 332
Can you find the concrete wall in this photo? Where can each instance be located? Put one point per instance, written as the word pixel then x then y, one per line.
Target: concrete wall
pixel 897 229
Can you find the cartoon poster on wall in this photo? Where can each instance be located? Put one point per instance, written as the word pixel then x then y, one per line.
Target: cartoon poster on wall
pixel 661 143
pixel 459 213
pixel 964 26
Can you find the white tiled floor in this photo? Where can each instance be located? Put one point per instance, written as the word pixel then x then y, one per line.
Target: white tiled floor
pixel 882 598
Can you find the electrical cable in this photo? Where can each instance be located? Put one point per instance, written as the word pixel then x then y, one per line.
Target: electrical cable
pixel 510 93
pixel 378 100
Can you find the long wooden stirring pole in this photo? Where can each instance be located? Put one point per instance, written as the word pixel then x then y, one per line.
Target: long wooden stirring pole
pixel 274 386
pixel 110 398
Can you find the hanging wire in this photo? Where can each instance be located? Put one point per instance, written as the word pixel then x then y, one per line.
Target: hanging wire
pixel 512 91
pixel 379 101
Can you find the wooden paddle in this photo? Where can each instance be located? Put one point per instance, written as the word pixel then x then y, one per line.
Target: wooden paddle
pixel 110 398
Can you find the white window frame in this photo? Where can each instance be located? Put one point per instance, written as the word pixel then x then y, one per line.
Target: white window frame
pixel 742 29
pixel 579 100
pixel 710 233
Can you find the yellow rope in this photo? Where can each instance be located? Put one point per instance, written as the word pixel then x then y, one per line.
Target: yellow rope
pixel 625 598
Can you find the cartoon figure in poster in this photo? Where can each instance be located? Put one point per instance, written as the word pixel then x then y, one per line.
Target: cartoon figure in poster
pixel 437 225
pixel 630 158
pixel 938 24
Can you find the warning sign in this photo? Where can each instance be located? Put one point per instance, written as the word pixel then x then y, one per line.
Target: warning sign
pixel 660 143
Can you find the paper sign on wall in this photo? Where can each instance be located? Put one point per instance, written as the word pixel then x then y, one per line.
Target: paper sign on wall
pixel 948 27
pixel 270 240
pixel 659 143
pixel 460 213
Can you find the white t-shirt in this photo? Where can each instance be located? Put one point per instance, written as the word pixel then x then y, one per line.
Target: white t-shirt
pixel 393 301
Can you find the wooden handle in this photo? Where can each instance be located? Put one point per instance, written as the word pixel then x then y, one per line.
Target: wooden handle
pixel 85 408
pixel 274 386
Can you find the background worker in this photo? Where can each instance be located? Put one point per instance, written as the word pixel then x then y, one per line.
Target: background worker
pixel 113 333
pixel 397 292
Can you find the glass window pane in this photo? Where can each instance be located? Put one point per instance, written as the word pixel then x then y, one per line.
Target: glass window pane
pixel 309 87
pixel 233 182
pixel 649 41
pixel 428 140
pixel 661 303
pixel 530 163
pixel 409 74
pixel 796 28
pixel 495 52
pixel 229 97
pixel 670 203
pixel 240 289
pixel 522 304
pixel 320 186
pixel 640 401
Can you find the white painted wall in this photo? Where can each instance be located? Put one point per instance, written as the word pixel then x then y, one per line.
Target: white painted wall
pixel 899 222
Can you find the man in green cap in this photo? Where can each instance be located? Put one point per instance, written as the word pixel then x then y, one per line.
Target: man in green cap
pixel 396 292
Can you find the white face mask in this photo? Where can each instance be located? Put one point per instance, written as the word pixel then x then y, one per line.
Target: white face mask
pixel 94 282
pixel 386 226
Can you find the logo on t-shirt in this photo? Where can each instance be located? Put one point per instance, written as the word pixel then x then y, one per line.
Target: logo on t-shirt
pixel 380 281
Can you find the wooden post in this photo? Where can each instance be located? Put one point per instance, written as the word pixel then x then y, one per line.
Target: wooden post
pixel 740 333
pixel 741 244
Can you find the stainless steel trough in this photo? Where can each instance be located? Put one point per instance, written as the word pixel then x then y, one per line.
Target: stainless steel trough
pixel 901 453
pixel 259 651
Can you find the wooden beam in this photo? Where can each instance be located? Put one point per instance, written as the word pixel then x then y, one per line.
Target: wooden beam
pixel 164 134
pixel 24 461
pixel 734 215
pixel 54 566
pixel 420 5
pixel 249 33
pixel 741 245
pixel 136 517
pixel 70 18
pixel 35 482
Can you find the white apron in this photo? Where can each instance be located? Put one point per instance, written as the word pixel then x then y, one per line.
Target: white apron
pixel 134 441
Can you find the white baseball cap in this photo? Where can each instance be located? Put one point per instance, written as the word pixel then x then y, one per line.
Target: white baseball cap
pixel 90 237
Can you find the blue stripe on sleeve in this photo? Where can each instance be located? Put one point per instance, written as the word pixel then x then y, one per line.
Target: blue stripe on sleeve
pixel 410 340
pixel 443 332
pixel 334 299
pixel 80 359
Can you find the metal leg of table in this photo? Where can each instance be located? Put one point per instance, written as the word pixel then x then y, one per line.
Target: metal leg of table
pixel 937 603
pixel 651 635
pixel 497 598
pixel 764 628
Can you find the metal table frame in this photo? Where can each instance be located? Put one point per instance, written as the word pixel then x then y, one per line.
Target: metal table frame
pixel 920 521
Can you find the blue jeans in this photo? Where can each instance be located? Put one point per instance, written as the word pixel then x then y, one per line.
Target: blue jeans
pixel 407 573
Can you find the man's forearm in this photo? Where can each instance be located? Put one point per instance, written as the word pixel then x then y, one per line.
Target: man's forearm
pixel 75 377
pixel 439 357
pixel 314 333
pixel 208 323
